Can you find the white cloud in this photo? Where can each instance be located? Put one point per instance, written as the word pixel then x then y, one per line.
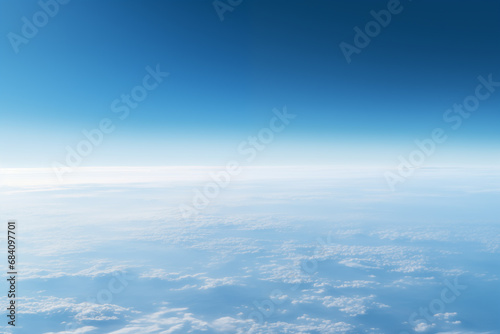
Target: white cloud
pixel 352 305
pixel 423 327
pixel 97 268
pixel 203 282
pixel 215 282
pixel 446 315
pixel 229 324
pixel 180 320
pixel 80 330
pixel 81 311
pixel 165 320
pixel 305 324
pixel 168 276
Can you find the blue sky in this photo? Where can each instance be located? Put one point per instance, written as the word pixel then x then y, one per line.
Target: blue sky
pixel 227 76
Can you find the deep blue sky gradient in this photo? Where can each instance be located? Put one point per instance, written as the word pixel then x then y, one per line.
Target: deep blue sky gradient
pixel 226 77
